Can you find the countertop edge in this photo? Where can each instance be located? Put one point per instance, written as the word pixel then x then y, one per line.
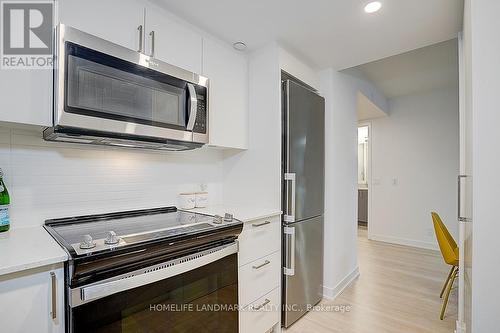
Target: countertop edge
pixel 239 212
pixel 29 248
pixel 259 217
pixel 34 264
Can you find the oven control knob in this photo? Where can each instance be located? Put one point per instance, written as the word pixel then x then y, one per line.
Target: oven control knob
pixel 217 219
pixel 228 217
pixel 87 242
pixel 111 238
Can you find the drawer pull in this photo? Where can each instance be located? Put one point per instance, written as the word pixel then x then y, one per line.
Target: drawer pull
pixel 266 302
pixel 267 262
pixel 260 224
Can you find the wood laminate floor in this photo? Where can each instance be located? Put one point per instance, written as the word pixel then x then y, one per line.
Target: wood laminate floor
pixel 397 292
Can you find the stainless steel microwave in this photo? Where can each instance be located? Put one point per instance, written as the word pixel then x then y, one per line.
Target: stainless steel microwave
pixel 107 94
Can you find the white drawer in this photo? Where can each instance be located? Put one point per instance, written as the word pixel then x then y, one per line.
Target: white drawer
pixel 261 315
pixel 258 239
pixel 258 278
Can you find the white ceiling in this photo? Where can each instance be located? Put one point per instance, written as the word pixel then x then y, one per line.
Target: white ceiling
pixel 425 69
pixel 326 33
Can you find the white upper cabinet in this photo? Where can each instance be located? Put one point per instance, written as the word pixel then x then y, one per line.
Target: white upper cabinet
pixel 171 41
pixel 26 96
pixel 115 20
pixel 227 71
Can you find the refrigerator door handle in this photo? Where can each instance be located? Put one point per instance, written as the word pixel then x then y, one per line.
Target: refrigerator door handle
pixel 290 214
pixel 290 250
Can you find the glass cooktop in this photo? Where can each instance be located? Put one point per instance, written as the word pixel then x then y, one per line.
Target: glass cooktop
pixel 94 233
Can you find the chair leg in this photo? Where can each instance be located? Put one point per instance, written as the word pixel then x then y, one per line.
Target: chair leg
pixel 447 295
pixel 447 280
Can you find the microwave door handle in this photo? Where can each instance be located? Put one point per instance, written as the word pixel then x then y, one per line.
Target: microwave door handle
pixel 192 106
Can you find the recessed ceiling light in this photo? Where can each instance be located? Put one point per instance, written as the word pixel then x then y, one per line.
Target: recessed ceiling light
pixel 373 7
pixel 240 46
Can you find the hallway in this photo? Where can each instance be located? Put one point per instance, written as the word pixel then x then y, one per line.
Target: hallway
pixel 397 291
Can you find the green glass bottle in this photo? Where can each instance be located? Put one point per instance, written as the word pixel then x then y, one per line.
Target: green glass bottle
pixel 4 205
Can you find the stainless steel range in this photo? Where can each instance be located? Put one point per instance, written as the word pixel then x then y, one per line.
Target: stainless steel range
pixel 160 270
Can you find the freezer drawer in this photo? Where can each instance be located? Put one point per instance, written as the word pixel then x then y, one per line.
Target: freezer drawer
pixel 303 261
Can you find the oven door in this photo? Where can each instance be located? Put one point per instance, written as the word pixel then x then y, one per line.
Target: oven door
pixel 195 293
pixel 104 87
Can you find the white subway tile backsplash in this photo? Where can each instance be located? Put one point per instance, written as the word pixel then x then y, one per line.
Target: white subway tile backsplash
pixel 50 180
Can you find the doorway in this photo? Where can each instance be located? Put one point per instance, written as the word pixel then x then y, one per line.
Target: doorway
pixel 363 177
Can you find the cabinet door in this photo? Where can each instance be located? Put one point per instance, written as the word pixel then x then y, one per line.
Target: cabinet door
pixel 174 43
pixel 113 20
pixel 26 302
pixel 26 96
pixel 227 71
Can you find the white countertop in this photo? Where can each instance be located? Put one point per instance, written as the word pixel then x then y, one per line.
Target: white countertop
pixel 26 248
pixel 243 213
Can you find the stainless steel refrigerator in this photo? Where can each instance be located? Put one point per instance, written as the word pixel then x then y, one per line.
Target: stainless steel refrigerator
pixel 303 168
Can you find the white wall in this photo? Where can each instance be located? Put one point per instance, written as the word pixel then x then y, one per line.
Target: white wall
pixel 294 66
pixel 367 88
pixel 253 176
pixel 340 90
pixel 485 52
pixel 417 146
pixel 50 180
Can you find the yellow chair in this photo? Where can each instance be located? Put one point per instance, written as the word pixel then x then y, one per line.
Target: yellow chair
pixel 449 251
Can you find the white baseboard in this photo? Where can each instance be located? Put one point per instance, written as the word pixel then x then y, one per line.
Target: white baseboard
pixel 404 241
pixel 332 293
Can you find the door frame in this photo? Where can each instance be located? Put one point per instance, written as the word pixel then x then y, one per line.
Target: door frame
pixel 461 320
pixel 368 124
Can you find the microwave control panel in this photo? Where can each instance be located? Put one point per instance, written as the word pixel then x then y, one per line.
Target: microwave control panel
pixel 200 125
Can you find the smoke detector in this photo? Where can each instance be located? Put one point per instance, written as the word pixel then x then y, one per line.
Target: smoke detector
pixel 240 46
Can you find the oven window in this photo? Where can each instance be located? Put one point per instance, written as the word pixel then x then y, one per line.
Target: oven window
pixel 202 300
pixel 103 86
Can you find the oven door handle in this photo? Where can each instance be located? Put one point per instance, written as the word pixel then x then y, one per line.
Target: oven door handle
pixel 192 106
pixel 149 275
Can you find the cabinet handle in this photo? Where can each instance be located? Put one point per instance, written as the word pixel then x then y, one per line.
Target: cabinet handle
pixel 152 34
pixel 54 295
pixel 266 302
pixel 460 217
pixel 267 262
pixel 260 224
pixel 141 43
